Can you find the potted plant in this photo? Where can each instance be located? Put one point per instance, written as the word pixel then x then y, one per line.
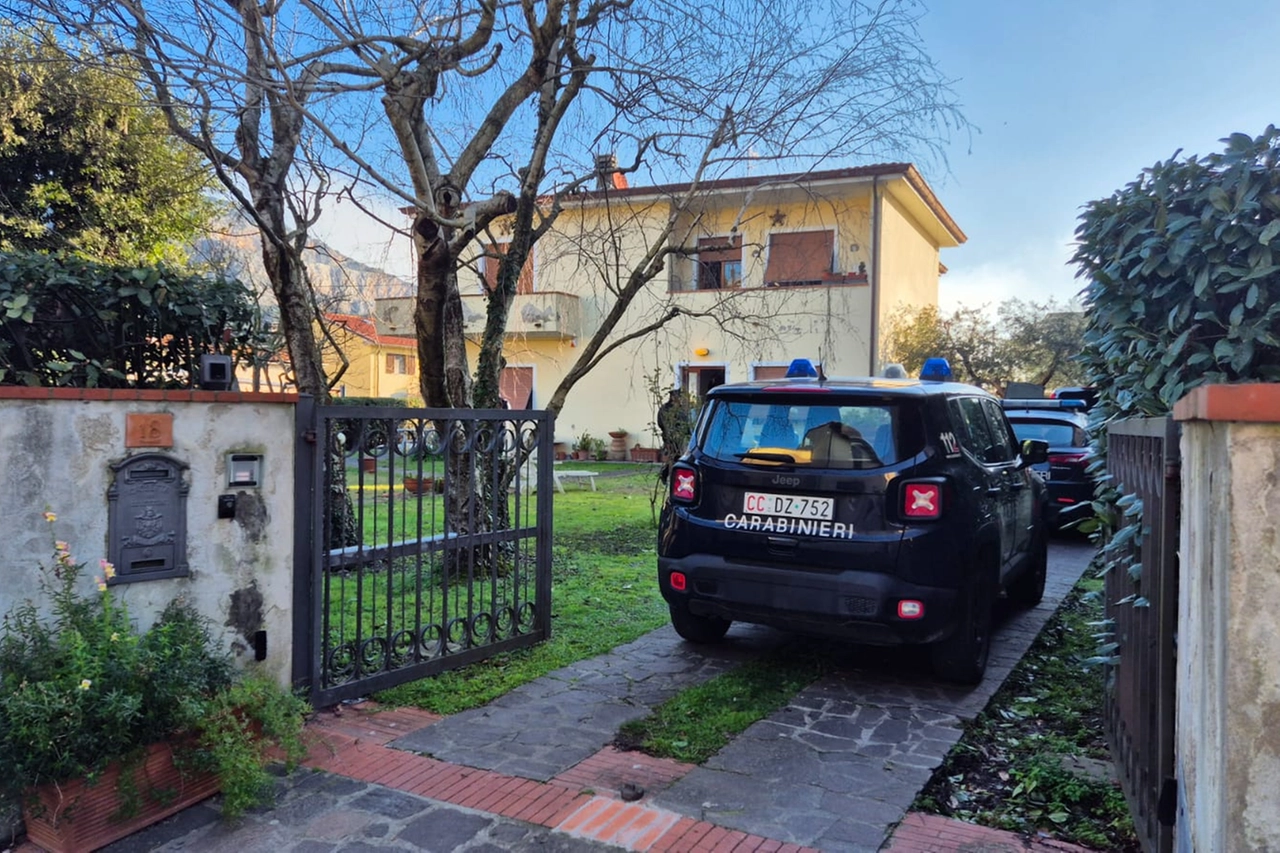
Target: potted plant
pixel 105 729
pixel 584 447
pixel 618 444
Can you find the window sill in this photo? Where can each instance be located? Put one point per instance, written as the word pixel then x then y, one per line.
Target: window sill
pixel 847 279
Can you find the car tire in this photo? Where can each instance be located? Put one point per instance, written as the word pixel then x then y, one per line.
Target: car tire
pixel 1028 589
pixel 962 657
pixel 697 629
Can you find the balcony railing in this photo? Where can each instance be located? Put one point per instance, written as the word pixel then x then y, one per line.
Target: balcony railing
pixel 535 315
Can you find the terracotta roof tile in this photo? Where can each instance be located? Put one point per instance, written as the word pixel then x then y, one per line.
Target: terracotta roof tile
pixel 365 328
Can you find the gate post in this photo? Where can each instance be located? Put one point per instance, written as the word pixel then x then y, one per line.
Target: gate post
pixel 1228 724
pixel 303 497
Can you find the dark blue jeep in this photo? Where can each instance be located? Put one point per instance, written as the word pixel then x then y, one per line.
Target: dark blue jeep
pixel 882 511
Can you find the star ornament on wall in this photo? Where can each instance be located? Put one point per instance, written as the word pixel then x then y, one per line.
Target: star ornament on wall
pixel 778 217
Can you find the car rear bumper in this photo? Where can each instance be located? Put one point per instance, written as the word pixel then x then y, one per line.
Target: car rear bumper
pixel 859 606
pixel 1068 501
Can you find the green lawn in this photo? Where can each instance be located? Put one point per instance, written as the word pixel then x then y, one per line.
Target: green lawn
pixel 604 591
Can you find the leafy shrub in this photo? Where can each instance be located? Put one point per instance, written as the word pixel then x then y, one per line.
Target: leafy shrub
pixel 67 321
pixel 1182 274
pixel 82 688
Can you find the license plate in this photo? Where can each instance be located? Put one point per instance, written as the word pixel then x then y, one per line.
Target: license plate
pixel 788 506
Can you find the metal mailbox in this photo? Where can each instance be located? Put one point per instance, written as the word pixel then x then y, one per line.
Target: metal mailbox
pixel 147 522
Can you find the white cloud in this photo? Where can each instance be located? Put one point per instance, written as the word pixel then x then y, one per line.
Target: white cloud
pixel 1036 272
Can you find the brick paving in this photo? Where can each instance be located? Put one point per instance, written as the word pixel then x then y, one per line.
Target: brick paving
pixel 834 770
pixel 922 833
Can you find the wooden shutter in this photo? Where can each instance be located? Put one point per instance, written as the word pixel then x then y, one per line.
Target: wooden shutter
pixel 716 249
pixel 515 385
pixel 492 258
pixel 491 261
pixel 798 256
pixel 411 365
pixel 769 371
pixel 391 363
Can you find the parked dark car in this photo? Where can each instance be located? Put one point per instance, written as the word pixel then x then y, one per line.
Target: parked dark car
pixel 885 511
pixel 1063 424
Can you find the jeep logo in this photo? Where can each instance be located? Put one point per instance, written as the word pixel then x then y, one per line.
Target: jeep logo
pixel 780 480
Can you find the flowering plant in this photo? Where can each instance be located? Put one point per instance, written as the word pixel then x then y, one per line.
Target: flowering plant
pixel 81 688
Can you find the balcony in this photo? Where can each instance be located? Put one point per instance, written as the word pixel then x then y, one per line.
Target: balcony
pixel 533 315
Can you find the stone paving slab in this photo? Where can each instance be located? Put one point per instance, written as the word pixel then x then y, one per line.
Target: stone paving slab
pixel 543 728
pixel 843 761
pixel 317 812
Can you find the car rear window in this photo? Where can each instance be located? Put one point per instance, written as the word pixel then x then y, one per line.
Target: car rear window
pixel 1056 433
pixel 841 433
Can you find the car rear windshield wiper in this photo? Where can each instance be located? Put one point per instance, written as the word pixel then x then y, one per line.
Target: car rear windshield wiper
pixel 766 457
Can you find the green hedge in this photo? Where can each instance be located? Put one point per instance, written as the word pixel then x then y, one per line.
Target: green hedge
pixel 70 322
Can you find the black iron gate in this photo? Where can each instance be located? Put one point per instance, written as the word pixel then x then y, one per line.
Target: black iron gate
pixel 428 536
pixel 1143 458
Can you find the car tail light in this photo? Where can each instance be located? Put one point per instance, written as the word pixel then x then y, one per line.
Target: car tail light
pixel 910 609
pixel 922 500
pixel 1067 458
pixel 684 484
pixel 679 582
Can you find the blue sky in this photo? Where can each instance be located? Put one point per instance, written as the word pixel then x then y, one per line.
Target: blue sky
pixel 1071 101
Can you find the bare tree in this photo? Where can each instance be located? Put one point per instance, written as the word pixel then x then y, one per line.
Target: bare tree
pixel 217 72
pixel 499 109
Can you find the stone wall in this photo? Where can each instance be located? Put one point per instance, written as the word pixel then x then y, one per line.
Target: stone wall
pixel 1228 729
pixel 59 449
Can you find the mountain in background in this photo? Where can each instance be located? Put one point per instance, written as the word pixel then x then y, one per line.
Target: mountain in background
pixel 342 285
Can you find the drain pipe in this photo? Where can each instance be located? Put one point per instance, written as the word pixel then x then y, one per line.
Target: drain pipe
pixel 877 210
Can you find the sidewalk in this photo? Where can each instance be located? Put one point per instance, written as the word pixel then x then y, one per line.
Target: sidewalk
pixel 836 769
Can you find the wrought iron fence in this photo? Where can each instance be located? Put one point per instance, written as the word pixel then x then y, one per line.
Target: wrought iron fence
pixel 430 542
pixel 1143 458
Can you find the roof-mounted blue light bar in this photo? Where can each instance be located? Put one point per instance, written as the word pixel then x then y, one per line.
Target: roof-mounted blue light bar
pixel 936 370
pixel 800 368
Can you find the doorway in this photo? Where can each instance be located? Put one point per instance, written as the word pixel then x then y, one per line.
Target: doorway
pixel 697 380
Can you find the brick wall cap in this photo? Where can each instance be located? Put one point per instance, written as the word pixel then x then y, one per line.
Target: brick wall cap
pixel 1250 402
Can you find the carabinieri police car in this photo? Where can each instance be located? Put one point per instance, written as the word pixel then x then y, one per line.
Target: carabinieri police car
pixel 883 511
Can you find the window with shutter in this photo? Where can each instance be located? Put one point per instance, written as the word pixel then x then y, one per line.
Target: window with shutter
pixel 799 257
pixel 719 262
pixel 769 371
pixel 391 363
pixel 492 259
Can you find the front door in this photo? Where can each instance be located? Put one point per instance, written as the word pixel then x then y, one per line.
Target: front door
pixel 697 380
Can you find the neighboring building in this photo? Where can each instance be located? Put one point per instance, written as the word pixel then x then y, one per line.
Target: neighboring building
pixel 793 265
pixel 379 363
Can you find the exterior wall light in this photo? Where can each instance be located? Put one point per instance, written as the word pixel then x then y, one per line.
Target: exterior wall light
pixel 702 351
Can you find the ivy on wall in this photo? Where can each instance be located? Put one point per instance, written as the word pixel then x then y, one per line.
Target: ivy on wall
pixel 65 321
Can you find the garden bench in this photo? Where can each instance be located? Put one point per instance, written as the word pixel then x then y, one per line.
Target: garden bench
pixel 561 476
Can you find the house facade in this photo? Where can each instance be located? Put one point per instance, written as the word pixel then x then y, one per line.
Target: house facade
pixel 755 272
pixel 379 363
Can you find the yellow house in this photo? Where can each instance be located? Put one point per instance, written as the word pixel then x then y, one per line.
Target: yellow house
pixel 379 363
pixel 757 271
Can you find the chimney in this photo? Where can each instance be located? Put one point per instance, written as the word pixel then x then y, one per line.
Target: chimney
pixel 606 169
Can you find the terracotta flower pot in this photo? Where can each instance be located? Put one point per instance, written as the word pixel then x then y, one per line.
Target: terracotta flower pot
pixel 368 464
pixel 423 485
pixel 75 816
